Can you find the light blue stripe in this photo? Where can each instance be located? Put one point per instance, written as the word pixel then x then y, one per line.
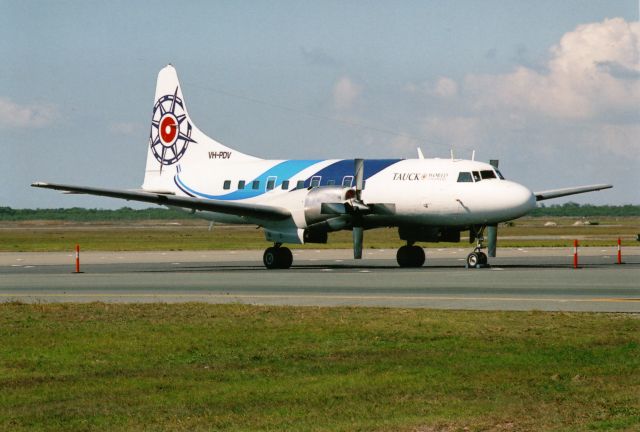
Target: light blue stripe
pixel 283 171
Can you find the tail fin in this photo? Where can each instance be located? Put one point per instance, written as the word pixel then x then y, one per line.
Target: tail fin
pixel 175 143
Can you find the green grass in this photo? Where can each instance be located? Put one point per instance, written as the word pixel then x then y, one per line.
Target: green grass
pixel 41 236
pixel 231 367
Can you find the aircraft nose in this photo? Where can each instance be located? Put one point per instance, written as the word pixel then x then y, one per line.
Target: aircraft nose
pixel 522 199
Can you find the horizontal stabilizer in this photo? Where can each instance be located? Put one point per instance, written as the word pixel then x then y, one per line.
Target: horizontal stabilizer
pixel 555 193
pixel 218 206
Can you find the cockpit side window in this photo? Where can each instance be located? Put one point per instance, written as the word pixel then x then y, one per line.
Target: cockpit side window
pixel 465 177
pixel 500 175
pixel 476 176
pixel 488 174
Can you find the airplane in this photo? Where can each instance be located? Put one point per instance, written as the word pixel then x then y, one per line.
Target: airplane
pixel 301 201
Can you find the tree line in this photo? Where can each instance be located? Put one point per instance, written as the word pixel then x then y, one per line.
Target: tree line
pixel 126 213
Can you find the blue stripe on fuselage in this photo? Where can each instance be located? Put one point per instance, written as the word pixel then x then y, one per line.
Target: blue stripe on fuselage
pixel 287 170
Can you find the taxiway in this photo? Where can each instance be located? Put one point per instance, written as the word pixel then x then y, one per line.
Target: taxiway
pixel 519 279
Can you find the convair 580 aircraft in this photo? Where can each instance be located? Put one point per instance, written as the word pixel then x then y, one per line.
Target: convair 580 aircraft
pixel 300 201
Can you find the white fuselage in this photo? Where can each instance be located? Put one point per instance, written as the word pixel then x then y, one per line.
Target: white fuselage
pixel 423 191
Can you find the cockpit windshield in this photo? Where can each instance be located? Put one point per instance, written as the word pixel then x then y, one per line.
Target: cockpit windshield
pixel 487 174
pixel 465 177
pixel 476 176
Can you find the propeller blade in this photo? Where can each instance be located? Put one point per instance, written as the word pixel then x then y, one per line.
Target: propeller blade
pixel 359 175
pixel 358 235
pixel 492 240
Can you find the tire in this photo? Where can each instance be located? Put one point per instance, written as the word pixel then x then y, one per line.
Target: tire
pixel 473 259
pixel 483 258
pixel 285 257
pixel 417 256
pixel 403 256
pixel 410 256
pixel 270 258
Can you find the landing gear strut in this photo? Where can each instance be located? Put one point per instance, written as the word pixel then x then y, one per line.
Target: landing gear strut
pixel 277 257
pixel 477 258
pixel 410 255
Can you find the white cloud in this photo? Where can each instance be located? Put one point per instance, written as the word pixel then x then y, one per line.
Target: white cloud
pixel 345 93
pixel 457 131
pixel 592 73
pixel 403 144
pixel 13 115
pixel 126 128
pixel 444 88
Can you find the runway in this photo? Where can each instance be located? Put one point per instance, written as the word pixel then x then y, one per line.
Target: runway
pixel 518 279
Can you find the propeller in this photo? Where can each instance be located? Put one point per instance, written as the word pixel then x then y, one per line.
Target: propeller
pixel 492 230
pixel 492 240
pixel 354 210
pixel 358 207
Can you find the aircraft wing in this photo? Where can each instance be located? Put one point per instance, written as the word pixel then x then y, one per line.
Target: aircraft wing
pixel 555 193
pixel 218 206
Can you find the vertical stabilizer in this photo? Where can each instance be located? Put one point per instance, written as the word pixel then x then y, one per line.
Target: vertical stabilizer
pixel 175 143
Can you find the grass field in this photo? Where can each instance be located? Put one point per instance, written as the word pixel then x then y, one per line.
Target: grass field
pixel 194 367
pixel 195 235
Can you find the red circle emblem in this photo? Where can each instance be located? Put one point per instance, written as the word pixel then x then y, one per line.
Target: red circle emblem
pixel 168 129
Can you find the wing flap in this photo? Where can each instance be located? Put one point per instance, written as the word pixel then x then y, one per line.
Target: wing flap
pixel 555 193
pixel 218 206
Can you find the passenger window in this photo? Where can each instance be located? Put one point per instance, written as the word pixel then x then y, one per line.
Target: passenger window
pixel 331 182
pixel 347 181
pixel 487 174
pixel 476 176
pixel 285 184
pixel 300 184
pixel 270 184
pixel 255 184
pixel 465 177
pixel 226 185
pixel 315 181
pixel 241 184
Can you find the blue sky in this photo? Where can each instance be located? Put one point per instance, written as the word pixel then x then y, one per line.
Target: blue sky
pixel 550 88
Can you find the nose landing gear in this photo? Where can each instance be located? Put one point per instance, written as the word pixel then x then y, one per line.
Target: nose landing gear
pixel 477 258
pixel 277 257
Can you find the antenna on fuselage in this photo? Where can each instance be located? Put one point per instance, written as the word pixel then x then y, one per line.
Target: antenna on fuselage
pixel 451 154
pixel 420 155
pixel 473 155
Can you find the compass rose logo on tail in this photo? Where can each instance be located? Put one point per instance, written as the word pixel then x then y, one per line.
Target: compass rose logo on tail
pixel 170 130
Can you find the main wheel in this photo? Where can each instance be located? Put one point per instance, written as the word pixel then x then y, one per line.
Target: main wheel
pixel 410 256
pixel 270 258
pixel 403 256
pixel 285 257
pixel 417 255
pixel 473 259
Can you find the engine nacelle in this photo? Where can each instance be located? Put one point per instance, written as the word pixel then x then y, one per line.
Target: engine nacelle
pixel 322 195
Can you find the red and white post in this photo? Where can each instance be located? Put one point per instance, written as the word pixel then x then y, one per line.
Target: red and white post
pixel 77 258
pixel 619 251
pixel 575 254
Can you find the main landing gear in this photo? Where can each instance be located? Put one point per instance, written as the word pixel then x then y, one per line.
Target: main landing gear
pixel 477 258
pixel 410 256
pixel 277 257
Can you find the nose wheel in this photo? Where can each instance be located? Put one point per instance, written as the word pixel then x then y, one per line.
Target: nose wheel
pixel 277 257
pixel 477 258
